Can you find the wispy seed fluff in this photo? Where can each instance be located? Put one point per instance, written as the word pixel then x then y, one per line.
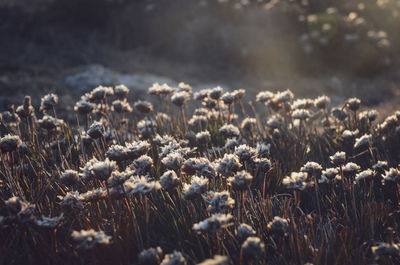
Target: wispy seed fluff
pixel 71 199
pixel 96 130
pixel 93 195
pixel 386 249
pixel 197 186
pixel 297 181
pixel 366 174
pixel 304 103
pixel 136 149
pixel 49 222
pixel 218 201
pixel 241 180
pixel 121 91
pixel 229 130
pixel 214 223
pixel 278 225
pixel 100 93
pixel 143 106
pixel 301 114
pixel 363 141
pixel 143 164
pixel 253 248
pixel 351 168
pixel 245 152
pixel 203 137
pixel 322 102
pixel 393 175
pixel 180 98
pixel 150 256
pixel 103 169
pixel 338 159
pixel 141 185
pixel 89 238
pixel 69 177
pixel 121 106
pixel 10 143
pixel 216 260
pixel 48 102
pixel 50 123
pixel 169 180
pixel 157 89
pixel 264 96
pixel 380 166
pixel 227 98
pixel 175 258
pixel 117 153
pixel 228 165
pixel 244 231
pixel 353 103
pixel 248 124
pixel 216 92
pixel 118 178
pixel 84 106
pixel 173 161
pixel 311 168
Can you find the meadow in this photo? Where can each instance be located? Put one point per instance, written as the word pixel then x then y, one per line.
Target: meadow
pixel 199 177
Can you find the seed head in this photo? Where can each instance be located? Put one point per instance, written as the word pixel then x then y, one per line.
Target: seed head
pixel 241 180
pixel 338 159
pixel 180 98
pixel 175 258
pixel 244 231
pixel 143 106
pixel 9 143
pixel 227 165
pixel 150 256
pixel 48 102
pixel 194 190
pixel 69 177
pixel 87 239
pixel 297 181
pixel 214 223
pixel 216 260
pixel 169 180
pixel 218 201
pixel 121 91
pixel 253 248
pixel 322 102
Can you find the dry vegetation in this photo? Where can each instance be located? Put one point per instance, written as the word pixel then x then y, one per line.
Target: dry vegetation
pixel 199 177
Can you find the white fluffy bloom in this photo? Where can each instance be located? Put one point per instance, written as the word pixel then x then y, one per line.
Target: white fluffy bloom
pixel 10 143
pixel 297 180
pixel 175 258
pixel 366 174
pixel 218 201
pixel 197 186
pixel 169 180
pixel 244 231
pixel 89 238
pixel 216 260
pixel 214 223
pixel 228 164
pixel 363 141
pixel 241 180
pixel 253 248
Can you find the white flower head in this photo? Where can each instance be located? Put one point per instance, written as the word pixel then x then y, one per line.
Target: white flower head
pixel 218 201
pixel 89 238
pixel 214 224
pixel 241 180
pixel 197 186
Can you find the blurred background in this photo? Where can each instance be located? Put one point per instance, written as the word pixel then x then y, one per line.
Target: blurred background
pixel 341 48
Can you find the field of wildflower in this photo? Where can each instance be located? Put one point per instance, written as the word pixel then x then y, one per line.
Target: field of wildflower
pixel 199 177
